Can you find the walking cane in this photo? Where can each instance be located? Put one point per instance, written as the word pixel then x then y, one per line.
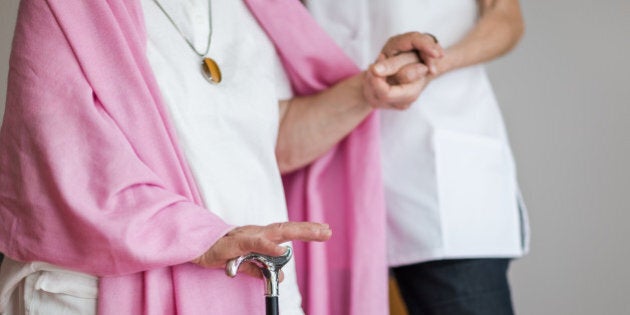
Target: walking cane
pixel 270 267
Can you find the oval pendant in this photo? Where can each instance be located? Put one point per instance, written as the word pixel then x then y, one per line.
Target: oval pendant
pixel 211 70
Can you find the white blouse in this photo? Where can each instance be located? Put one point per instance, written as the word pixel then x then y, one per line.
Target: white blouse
pixel 228 131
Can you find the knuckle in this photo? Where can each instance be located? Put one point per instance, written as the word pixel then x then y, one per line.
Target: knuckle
pixel 414 34
pixel 259 242
pixel 244 246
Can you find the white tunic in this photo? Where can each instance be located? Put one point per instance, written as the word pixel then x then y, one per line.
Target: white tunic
pixel 449 175
pixel 227 131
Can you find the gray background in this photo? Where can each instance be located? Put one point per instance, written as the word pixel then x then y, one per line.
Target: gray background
pixel 565 93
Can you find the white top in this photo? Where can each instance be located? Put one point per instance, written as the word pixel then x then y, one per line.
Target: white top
pixel 227 131
pixel 449 175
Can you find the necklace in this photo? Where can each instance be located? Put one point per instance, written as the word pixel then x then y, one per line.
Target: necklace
pixel 209 67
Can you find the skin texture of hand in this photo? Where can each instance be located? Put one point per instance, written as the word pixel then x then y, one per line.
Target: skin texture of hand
pixel 405 66
pixel 395 82
pixel 428 49
pixel 260 239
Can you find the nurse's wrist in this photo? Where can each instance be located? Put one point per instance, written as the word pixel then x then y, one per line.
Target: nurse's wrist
pixel 453 59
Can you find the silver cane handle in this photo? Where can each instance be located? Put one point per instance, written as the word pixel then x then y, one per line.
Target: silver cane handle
pixel 269 265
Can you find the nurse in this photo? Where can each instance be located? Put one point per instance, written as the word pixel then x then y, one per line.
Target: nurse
pixel 455 216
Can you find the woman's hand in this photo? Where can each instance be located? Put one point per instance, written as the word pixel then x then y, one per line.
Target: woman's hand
pixel 406 65
pixel 311 125
pixel 396 82
pixel 260 239
pixel 424 45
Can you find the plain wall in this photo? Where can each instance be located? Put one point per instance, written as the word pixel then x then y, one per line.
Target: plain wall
pixel 565 94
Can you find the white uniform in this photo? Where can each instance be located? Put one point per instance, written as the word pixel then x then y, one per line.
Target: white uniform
pixel 449 174
pixel 227 131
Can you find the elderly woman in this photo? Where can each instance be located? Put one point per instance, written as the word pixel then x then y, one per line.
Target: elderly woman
pixel 138 151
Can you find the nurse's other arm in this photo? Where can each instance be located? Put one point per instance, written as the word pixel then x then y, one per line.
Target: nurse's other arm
pixel 498 29
pixel 311 125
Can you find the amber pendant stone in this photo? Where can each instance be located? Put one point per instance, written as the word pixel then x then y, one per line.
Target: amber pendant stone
pixel 211 70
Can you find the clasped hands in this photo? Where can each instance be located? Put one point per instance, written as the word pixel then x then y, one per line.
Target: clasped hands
pixel 406 64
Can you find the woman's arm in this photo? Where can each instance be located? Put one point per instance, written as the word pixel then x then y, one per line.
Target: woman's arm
pixel 311 125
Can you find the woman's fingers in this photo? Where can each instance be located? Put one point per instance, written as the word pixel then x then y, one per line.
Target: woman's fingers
pixel 385 67
pixel 252 270
pixel 410 74
pixel 375 90
pixel 266 239
pixel 258 243
pixel 398 93
pixel 402 71
pixel 261 239
pixel 425 44
pixel 302 231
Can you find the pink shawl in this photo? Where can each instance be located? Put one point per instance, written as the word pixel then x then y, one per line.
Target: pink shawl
pixel 92 179
pixel 348 274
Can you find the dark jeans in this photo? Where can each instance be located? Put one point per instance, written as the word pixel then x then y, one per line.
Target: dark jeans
pixel 456 287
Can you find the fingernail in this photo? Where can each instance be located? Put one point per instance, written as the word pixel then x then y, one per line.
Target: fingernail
pixel 379 68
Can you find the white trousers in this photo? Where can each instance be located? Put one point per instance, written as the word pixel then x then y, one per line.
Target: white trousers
pixel 45 291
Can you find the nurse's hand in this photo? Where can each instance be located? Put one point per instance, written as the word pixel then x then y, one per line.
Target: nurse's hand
pixel 264 240
pixel 407 63
pixel 425 45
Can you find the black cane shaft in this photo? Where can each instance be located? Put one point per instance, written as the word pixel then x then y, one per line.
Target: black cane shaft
pixel 272 305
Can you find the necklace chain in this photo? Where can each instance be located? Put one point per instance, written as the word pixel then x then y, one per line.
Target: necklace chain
pixel 182 33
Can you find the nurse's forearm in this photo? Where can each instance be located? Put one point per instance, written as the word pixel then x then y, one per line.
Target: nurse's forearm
pixel 498 30
pixel 311 125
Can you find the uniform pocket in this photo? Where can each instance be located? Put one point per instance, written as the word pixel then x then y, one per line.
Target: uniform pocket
pixel 477 195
